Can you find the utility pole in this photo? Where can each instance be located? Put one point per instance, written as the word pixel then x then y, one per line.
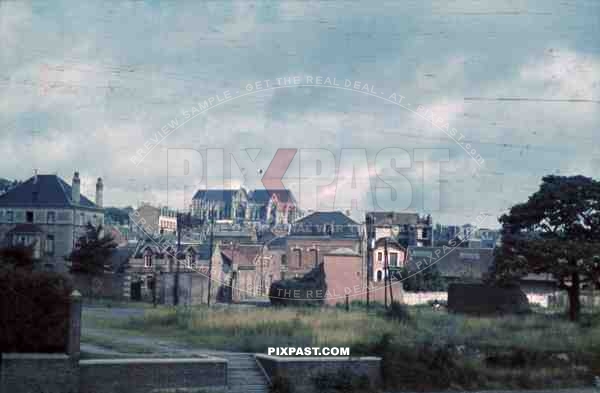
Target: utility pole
pixel 369 248
pixel 385 272
pixel 210 255
pixel 389 276
pixel 176 285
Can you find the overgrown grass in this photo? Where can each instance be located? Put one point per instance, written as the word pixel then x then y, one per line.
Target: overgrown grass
pixel 425 349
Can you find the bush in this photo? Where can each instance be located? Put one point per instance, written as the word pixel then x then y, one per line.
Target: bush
pixel 34 311
pixel 344 381
pixel 398 312
pixel 303 291
pixel 280 385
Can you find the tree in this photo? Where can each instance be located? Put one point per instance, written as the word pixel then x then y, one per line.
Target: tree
pixel 17 256
pixel 428 279
pixel 93 252
pixel 556 231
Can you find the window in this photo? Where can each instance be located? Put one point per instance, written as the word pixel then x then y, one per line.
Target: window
pixel 148 260
pixel 299 257
pixel 191 260
pixel 51 217
pixel 9 216
pixel 393 259
pixel 284 260
pixel 329 229
pixel 379 256
pixel 29 217
pixel 379 275
pixel 50 245
pixel 316 256
pixel 81 219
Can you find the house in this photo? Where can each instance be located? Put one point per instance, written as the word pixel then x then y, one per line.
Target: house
pixel 153 220
pixel 50 215
pixel 345 277
pixel 409 229
pixel 156 261
pixel 396 257
pixel 313 236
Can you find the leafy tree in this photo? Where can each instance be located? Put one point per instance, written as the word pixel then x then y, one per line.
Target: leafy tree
pixel 429 279
pixel 17 256
pixel 93 253
pixel 556 231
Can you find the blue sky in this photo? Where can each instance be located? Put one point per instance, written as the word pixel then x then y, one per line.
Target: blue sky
pixel 84 85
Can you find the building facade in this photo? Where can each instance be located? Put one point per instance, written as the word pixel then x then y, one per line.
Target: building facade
pixel 408 229
pixel 153 220
pixel 242 206
pixel 49 215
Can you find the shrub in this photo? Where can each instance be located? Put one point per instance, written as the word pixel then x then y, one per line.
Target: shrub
pixel 34 311
pixel 280 385
pixel 303 291
pixel 398 312
pixel 343 381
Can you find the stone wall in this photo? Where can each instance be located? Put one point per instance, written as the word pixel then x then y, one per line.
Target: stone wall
pixel 146 375
pixel 414 298
pixel 109 286
pixel 38 373
pixel 301 372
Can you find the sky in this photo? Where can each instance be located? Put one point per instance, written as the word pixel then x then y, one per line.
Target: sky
pixel 88 86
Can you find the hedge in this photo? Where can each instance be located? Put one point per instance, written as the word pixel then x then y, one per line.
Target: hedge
pixel 34 311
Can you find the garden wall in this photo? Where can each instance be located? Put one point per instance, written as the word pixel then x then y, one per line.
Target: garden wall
pixel 301 372
pixel 146 374
pixel 38 373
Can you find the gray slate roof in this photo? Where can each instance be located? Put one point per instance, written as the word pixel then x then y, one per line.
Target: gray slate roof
pixel 47 191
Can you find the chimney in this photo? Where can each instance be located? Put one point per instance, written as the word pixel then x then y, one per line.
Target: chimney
pixel 76 188
pixel 99 192
pixel 35 176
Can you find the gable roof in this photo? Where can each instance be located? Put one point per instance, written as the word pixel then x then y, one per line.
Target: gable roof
pixel 244 255
pixel 394 218
pixel 46 191
pixel 326 218
pixel 332 224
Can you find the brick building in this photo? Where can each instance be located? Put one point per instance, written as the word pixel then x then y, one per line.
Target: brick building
pixel 315 235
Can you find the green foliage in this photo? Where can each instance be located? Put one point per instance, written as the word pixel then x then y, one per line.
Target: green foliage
pixel 280 385
pixel 398 312
pixel 93 254
pixel 34 311
pixel 429 279
pixel 556 231
pixel 17 257
pixel 342 382
pixel 308 290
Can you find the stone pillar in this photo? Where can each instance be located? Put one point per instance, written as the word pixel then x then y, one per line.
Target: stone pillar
pixel 74 338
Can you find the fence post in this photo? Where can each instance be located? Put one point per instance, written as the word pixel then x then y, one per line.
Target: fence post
pixel 74 338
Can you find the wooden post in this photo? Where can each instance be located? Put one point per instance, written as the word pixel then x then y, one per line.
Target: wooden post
pixel 74 338
pixel 347 303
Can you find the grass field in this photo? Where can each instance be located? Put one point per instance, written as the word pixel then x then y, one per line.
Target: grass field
pixel 428 350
